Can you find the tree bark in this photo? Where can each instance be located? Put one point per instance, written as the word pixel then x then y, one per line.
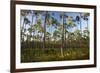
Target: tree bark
pixel 62 46
pixel 44 30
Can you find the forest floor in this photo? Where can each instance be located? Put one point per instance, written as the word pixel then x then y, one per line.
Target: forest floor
pixel 42 55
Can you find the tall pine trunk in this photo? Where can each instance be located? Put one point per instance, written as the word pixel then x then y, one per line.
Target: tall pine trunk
pixel 44 30
pixel 80 43
pixel 23 30
pixel 62 44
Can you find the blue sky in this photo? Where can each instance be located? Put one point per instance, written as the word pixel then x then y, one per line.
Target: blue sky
pixel 56 15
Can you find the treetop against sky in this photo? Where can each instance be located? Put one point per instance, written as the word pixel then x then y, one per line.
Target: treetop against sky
pixel 69 18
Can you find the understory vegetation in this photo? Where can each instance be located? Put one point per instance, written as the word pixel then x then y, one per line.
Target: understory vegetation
pixel 39 55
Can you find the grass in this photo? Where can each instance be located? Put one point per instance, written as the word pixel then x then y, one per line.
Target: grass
pixel 41 55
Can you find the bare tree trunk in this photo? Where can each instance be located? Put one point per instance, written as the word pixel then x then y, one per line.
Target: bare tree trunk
pixel 80 32
pixel 62 36
pixel 23 31
pixel 44 30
